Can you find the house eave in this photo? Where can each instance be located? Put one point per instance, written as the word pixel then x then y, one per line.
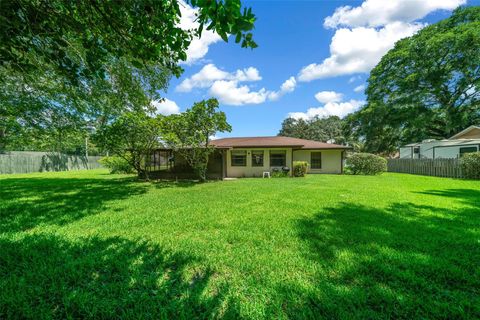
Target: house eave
pixel 326 148
pixel 265 146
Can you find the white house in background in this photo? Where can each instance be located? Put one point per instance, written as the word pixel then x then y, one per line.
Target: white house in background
pixel 465 141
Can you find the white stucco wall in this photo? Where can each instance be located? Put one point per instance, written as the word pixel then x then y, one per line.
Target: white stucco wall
pixel 248 170
pixel 331 160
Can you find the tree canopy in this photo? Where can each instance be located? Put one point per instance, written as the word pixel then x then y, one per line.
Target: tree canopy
pixel 41 112
pixel 68 65
pixel 81 38
pixel 318 129
pixel 133 136
pixel 189 133
pixel 427 86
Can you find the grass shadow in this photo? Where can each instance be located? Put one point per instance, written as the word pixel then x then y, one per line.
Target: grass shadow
pixel 470 197
pixel 405 261
pixel 162 184
pixel 28 202
pixel 49 277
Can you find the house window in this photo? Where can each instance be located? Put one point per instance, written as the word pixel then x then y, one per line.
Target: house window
pixel 257 158
pixel 416 153
pixel 278 158
pixel 316 160
pixel 239 158
pixel 467 150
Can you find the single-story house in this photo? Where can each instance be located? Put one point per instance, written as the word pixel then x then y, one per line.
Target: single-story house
pixel 463 142
pixel 252 156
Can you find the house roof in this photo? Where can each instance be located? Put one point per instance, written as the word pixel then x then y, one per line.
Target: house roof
pixel 272 142
pixel 464 132
pixel 444 143
pixel 466 136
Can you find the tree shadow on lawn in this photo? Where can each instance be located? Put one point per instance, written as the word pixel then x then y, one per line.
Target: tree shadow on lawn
pixel 470 197
pixel 162 184
pixel 45 276
pixel 406 261
pixel 28 202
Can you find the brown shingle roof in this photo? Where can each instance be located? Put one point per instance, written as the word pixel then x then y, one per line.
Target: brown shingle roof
pixel 277 141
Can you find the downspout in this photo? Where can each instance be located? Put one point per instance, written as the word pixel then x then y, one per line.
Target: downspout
pixel 224 156
pixel 291 168
pixel 341 161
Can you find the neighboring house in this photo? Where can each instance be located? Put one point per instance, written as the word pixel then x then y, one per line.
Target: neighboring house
pixel 251 156
pixel 463 142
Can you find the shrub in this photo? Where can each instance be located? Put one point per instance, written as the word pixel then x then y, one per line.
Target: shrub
pixel 116 164
pixel 300 168
pixel 280 172
pixel 366 163
pixel 470 165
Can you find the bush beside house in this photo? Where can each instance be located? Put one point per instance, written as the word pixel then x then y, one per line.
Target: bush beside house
pixel 470 165
pixel 116 164
pixel 280 172
pixel 300 168
pixel 366 163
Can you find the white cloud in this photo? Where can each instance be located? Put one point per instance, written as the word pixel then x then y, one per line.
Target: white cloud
pixel 357 50
pixel 360 88
pixel 210 73
pixel 328 96
pixel 287 86
pixel 229 92
pixel 340 109
pixel 374 13
pixel 165 107
pixel 227 87
pixel 366 32
pixel 198 47
pixel 249 74
pixel 214 137
pixel 354 78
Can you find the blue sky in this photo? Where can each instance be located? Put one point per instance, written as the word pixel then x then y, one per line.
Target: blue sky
pixel 321 63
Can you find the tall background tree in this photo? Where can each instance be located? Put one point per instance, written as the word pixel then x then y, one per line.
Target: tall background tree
pixel 95 60
pixel 427 86
pixel 329 129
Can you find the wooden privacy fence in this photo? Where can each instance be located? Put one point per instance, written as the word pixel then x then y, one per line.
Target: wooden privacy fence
pixel 25 162
pixel 429 167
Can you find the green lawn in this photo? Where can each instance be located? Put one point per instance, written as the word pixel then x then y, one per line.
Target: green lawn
pixel 93 245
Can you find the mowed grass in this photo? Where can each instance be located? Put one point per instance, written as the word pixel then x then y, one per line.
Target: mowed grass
pixel 93 245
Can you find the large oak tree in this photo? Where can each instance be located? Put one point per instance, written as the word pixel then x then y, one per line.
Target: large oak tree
pixel 327 129
pixel 87 62
pixel 427 86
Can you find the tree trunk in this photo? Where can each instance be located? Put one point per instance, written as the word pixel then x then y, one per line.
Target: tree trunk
pixel 3 140
pixel 202 173
pixel 141 171
pixel 203 176
pixel 145 174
